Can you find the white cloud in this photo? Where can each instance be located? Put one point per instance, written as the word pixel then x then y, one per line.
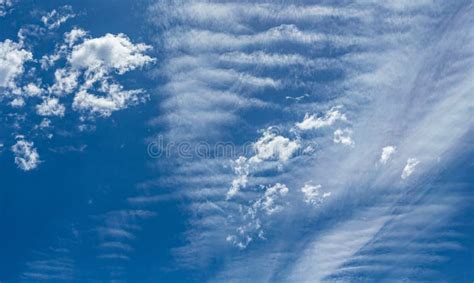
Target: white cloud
pixel 200 40
pixel 32 89
pixel 26 156
pixel 45 123
pixel 234 16
pixel 330 117
pixel 274 147
pixel 242 170
pixel 389 90
pixel 270 147
pixel 73 36
pixel 98 57
pixel 313 194
pixel 54 19
pixel 12 60
pixel 110 52
pixel 50 107
pixel 103 106
pixel 409 167
pixel 115 99
pixel 17 102
pixel 270 203
pixel 66 81
pixel 343 137
pixel 387 153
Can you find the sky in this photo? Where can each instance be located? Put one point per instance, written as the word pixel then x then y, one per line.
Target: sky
pixel 236 141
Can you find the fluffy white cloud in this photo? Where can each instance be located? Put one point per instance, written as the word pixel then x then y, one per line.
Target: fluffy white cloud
pixel 65 81
pixel 387 153
pixel 112 52
pixel 409 167
pixel 32 89
pixel 17 102
pixel 12 59
pixel 270 147
pixel 74 35
pixel 50 107
pixel 26 156
pixel 313 194
pixel 343 137
pixel 311 122
pixel 116 99
pixel 274 147
pixel 97 58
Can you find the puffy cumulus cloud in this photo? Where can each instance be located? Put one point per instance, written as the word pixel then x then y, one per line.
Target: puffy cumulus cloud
pixel 313 194
pixel 84 101
pixel 84 67
pixel 343 136
pixel 74 35
pixel 311 122
pixel 66 81
pixel 17 102
pixel 274 147
pixel 51 107
pixel 94 60
pixel 112 52
pixel 271 147
pixel 56 18
pixel 409 168
pixel 32 89
pixel 387 153
pixel 115 99
pixel 26 156
pixel 12 60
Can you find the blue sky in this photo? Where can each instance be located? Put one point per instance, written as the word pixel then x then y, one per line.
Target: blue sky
pixel 236 141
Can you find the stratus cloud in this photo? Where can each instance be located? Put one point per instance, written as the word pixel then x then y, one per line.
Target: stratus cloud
pixel 311 122
pixel 12 60
pixel 409 167
pixel 26 156
pixel 387 153
pixel 199 40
